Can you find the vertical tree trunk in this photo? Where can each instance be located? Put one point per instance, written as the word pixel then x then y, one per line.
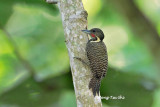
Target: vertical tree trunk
pixel 74 19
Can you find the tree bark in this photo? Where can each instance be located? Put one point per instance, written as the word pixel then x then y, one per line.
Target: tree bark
pixel 74 19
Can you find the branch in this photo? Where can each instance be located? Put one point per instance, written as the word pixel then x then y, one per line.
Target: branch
pixel 74 19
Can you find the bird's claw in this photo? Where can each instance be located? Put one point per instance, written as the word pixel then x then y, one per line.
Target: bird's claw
pixel 76 58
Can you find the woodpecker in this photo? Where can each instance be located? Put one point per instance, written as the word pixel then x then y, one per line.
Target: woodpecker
pixel 96 52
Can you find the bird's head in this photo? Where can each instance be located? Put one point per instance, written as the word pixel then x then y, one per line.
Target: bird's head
pixel 96 34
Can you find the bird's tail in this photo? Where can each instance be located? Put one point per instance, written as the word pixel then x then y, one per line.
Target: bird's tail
pixel 95 85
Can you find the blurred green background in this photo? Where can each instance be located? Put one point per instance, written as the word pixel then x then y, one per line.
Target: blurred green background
pixel 34 63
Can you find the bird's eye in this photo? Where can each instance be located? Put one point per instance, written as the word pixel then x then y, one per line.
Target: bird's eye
pixel 94 31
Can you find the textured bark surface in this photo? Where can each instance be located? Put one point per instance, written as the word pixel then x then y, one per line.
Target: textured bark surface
pixel 74 19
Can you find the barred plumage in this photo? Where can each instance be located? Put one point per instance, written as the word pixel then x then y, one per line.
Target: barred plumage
pixel 97 56
pixel 98 59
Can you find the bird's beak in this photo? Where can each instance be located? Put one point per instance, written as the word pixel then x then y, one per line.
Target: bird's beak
pixel 86 31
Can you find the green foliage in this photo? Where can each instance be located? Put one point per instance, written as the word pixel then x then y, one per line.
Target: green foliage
pixel 40 43
pixel 156 102
pixel 36 29
pixel 152 12
pixel 11 69
pixel 67 99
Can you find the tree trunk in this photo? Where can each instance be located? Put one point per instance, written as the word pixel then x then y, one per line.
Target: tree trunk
pixel 74 19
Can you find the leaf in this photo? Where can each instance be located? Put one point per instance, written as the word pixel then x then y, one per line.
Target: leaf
pixel 156 102
pixel 12 72
pixel 39 36
pixel 67 99
pixel 129 54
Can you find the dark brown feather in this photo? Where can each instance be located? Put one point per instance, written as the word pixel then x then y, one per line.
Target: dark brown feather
pixel 98 58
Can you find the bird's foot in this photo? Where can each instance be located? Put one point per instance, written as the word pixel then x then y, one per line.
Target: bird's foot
pixel 83 61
